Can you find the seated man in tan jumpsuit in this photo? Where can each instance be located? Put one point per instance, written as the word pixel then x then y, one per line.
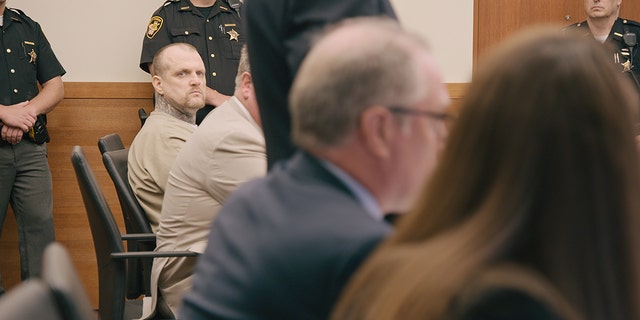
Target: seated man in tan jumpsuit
pixel 226 150
pixel 179 81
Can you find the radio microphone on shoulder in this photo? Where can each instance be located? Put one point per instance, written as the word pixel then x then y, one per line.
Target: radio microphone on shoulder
pixel 630 39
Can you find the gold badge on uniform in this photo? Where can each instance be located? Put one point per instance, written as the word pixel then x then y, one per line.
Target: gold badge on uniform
pixel 233 35
pixel 154 26
pixel 32 56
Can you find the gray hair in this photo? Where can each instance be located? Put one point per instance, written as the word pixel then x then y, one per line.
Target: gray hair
pixel 374 65
pixel 243 65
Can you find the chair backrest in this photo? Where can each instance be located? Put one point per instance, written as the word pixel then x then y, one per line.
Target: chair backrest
pixel 32 299
pixel 58 272
pixel 135 219
pixel 110 142
pixel 106 239
pixel 142 114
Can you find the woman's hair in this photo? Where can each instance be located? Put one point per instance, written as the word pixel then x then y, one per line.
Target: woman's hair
pixel 540 170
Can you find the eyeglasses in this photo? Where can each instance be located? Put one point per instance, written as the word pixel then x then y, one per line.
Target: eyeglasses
pixel 443 116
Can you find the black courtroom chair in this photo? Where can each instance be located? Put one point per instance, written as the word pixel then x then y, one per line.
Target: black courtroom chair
pixel 142 114
pixel 108 244
pixel 114 157
pixel 32 299
pixel 110 142
pixel 60 275
pixel 135 221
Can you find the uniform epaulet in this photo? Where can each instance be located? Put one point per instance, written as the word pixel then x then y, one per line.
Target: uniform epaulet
pixel 18 11
pixel 574 26
pixel 168 2
pixel 631 22
pixel 19 15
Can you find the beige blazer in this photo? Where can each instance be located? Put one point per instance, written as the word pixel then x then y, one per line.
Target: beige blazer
pixel 226 150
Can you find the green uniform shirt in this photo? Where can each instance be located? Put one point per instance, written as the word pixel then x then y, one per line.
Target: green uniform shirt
pixel 27 58
pixel 626 57
pixel 218 37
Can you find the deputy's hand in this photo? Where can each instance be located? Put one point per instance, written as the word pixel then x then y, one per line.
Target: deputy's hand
pixel 214 98
pixel 12 135
pixel 18 116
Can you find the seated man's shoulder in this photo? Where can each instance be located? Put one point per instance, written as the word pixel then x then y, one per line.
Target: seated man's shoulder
pixel 162 128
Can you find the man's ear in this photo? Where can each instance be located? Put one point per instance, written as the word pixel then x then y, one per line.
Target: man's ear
pixel 246 85
pixel 378 131
pixel 157 84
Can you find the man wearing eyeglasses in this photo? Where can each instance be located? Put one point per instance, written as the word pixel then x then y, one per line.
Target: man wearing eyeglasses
pixel 368 120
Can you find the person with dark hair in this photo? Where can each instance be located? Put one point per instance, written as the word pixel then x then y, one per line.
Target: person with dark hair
pixel 25 178
pixel 532 212
pixel 370 122
pixel 619 35
pixel 214 27
pixel 279 34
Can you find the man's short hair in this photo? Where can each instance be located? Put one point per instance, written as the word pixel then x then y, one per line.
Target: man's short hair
pixel 159 62
pixel 243 65
pixel 375 65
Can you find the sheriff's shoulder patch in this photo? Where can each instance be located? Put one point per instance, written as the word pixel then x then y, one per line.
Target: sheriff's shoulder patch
pixel 155 24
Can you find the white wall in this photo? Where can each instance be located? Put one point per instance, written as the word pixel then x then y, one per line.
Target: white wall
pixel 100 41
pixel 95 40
pixel 448 27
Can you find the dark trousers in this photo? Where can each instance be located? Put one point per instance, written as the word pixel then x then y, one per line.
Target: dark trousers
pixel 25 183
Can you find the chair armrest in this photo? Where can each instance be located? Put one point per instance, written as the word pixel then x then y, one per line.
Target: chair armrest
pixel 153 254
pixel 139 236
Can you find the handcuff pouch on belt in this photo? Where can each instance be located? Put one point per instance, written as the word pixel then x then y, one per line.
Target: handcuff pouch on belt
pixel 38 133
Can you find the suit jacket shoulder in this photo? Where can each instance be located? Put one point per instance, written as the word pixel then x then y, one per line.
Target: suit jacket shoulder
pixel 283 246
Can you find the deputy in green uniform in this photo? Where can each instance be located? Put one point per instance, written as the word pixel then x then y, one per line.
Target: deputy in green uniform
pixel 620 35
pixel 214 28
pixel 25 178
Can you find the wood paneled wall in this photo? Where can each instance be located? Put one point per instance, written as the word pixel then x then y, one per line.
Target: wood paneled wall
pixel 88 112
pixel 496 20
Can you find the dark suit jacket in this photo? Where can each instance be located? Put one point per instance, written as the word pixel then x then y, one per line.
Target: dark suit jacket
pixel 282 247
pixel 505 291
pixel 505 304
pixel 278 33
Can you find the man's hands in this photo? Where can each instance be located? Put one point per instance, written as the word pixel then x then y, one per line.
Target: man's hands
pixel 16 120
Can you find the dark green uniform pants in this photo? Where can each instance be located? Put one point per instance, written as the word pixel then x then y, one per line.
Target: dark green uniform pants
pixel 25 182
